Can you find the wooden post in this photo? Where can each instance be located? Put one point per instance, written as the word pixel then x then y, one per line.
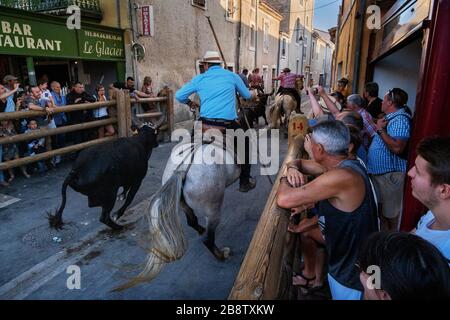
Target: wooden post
pixel 298 124
pixel 121 113
pixel 128 114
pixel 170 112
pixel 266 271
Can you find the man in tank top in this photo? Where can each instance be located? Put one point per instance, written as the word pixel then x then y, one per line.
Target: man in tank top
pixel 342 194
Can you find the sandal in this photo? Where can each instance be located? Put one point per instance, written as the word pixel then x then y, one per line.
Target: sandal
pixel 308 280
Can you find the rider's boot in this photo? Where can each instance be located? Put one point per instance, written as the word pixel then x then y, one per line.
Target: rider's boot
pixel 247 184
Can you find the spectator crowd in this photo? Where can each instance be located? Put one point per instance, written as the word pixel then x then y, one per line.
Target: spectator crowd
pixel 48 97
pixel 357 166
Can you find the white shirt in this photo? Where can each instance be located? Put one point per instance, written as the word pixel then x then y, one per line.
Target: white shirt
pixel 46 95
pixel 101 112
pixel 439 238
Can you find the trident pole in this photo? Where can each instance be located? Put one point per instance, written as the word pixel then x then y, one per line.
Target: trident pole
pixel 217 42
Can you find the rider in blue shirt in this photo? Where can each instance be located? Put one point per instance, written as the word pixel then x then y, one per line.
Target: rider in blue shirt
pixel 217 89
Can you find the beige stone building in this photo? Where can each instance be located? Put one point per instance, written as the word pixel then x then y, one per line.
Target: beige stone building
pixel 248 32
pixel 296 34
pixel 180 36
pixel 321 58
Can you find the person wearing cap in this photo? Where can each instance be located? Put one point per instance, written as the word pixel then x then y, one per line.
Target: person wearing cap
pixel 287 85
pixel 217 89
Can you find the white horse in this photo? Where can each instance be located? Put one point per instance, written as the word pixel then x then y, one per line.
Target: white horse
pixel 203 186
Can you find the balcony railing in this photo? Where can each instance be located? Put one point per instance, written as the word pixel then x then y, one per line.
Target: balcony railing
pixel 89 8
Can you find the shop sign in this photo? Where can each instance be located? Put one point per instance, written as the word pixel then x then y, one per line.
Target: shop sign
pixel 147 21
pixel 34 38
pixel 100 44
pixel 41 38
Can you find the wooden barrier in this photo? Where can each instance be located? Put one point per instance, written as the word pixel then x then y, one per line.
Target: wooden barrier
pixel 266 272
pixel 120 115
pixel 167 96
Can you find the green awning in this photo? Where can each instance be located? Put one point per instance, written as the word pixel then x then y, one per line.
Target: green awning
pixel 39 35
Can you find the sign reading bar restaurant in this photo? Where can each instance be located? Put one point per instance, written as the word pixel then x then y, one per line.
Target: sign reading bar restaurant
pixel 38 37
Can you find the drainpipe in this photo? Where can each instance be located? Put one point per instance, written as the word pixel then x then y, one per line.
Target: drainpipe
pixel 238 49
pixel 118 14
pixel 132 8
pixel 279 53
pixel 334 63
pixel 358 45
pixel 256 36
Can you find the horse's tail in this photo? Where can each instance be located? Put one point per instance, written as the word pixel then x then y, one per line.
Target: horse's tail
pixel 165 234
pixel 55 220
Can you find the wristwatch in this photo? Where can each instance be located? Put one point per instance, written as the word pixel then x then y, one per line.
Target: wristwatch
pixel 380 131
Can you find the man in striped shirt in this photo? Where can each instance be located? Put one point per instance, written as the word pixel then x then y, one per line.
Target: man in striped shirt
pixel 287 85
pixel 386 160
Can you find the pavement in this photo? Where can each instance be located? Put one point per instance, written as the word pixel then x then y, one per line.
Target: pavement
pixel 34 260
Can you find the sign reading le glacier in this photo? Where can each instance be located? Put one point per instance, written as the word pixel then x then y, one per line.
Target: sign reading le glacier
pixel 101 44
pixel 40 38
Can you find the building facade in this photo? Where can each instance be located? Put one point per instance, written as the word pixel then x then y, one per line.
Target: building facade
pixel 296 34
pixel 165 40
pixel 321 58
pixel 247 32
pixel 36 42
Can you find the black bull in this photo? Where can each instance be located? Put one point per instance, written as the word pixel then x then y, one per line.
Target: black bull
pixel 258 110
pixel 99 172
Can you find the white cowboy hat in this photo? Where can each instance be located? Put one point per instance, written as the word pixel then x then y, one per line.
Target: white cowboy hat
pixel 212 57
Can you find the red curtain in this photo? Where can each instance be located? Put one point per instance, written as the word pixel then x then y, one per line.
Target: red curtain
pixel 433 104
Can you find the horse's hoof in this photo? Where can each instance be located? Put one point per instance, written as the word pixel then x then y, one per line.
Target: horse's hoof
pixel 226 252
pixel 201 230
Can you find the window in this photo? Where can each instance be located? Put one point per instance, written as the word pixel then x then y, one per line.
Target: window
pixel 314 49
pixel 252 37
pixel 307 21
pixel 253 3
pixel 231 9
pixel 230 66
pixel 339 70
pixel 305 45
pixel 297 31
pixel 199 3
pixel 266 36
pixel 283 47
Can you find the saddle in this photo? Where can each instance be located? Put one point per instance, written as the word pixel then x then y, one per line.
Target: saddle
pixel 287 92
pixel 206 127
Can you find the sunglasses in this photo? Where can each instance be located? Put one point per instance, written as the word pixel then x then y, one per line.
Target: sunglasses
pixel 391 94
